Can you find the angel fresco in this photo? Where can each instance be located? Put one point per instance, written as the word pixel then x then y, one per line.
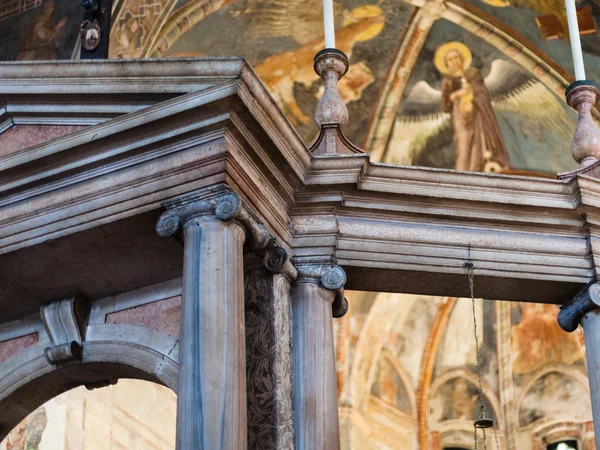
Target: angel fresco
pixel 477 139
pixel 281 71
pixel 464 112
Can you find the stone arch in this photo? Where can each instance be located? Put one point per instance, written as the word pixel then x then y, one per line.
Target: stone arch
pixel 386 310
pixel 488 391
pixel 571 372
pixel 27 380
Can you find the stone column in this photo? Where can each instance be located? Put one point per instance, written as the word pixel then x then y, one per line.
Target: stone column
pixel 211 392
pixel 269 351
pixel 317 297
pixel 584 310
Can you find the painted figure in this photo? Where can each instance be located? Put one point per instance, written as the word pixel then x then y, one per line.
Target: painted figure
pixel 38 41
pixel 477 138
pixel 28 434
pixel 538 340
pixel 463 403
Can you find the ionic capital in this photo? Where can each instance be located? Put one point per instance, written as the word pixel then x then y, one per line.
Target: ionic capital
pixel 220 202
pixel 331 277
pixel 586 300
pixel 277 260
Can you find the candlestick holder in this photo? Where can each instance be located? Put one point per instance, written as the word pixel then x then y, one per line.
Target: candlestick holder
pixel 331 114
pixel 585 147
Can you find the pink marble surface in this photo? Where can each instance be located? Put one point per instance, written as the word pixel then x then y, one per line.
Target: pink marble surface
pixel 13 346
pixel 162 315
pixel 20 137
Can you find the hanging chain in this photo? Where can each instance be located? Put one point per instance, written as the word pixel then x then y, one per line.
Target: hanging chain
pixel 482 415
pixel 472 288
pixel 496 439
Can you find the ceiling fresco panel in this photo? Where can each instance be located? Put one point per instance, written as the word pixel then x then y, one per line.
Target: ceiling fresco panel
pixel 488 113
pixel 282 50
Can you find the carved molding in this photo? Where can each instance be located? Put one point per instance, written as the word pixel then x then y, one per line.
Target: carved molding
pixel 586 300
pixel 331 277
pixel 65 322
pixel 221 202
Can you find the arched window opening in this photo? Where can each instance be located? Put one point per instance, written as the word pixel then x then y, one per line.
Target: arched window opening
pixel 564 445
pixel 129 414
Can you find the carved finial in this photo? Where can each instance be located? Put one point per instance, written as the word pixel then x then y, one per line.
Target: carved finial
pixel 331 65
pixel 581 96
pixel 331 114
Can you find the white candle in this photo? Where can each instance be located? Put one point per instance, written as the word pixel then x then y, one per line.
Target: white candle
pixel 329 23
pixel 575 39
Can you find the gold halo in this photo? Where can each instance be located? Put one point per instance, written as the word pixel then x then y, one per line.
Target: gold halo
pixel 362 12
pixel 440 56
pixel 497 3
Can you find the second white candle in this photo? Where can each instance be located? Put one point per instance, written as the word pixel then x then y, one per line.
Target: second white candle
pixel 575 39
pixel 329 23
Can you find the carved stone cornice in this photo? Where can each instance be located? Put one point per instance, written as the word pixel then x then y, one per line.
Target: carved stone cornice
pixel 65 323
pixel 329 276
pixel 586 300
pixel 221 202
pixel 277 260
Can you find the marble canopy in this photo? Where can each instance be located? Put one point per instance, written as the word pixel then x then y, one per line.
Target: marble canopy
pixel 91 153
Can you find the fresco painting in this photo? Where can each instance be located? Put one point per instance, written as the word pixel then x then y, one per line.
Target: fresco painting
pixel 467 106
pixel 46 31
pixel 28 434
pixel 456 399
pixel 537 339
pixel 555 395
pixel 543 24
pixel 389 387
pixel 281 51
pixel 457 345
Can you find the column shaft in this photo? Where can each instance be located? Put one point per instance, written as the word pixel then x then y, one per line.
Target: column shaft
pixel 315 387
pixel 269 360
pixel 591 330
pixel 211 400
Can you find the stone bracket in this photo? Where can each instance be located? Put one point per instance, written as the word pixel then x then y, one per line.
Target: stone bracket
pixel 331 277
pixel 221 202
pixel 586 300
pixel 65 322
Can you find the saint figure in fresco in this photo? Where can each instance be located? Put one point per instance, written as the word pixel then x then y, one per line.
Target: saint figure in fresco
pixel 28 434
pixel 477 138
pixel 538 340
pixel 38 41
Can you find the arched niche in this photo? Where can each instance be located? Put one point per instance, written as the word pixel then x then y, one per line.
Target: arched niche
pixel 454 403
pixel 110 352
pixel 129 414
pixel 555 393
pixel 391 411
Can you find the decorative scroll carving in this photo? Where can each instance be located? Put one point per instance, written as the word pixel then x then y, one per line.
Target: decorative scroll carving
pixel 586 300
pixel 219 201
pixel 65 323
pixel 331 277
pixel 277 260
pixel 269 360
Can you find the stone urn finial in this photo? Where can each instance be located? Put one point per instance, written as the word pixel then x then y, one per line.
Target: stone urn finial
pixel 331 65
pixel 582 96
pixel 331 114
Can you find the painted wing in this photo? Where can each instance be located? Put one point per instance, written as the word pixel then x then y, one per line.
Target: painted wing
pixel 516 91
pixel 302 20
pixel 420 126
